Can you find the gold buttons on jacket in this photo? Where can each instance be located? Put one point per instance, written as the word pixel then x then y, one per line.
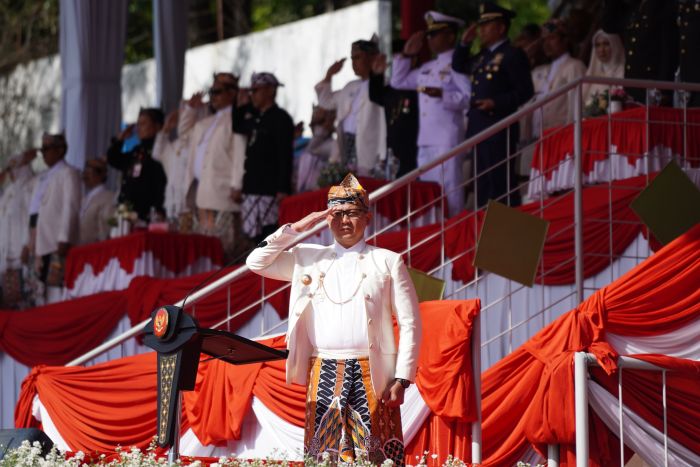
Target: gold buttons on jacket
pixel 306 279
pixel 371 346
pixel 366 296
pixel 369 321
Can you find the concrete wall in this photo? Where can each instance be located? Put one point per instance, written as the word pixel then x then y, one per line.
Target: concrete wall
pixel 297 53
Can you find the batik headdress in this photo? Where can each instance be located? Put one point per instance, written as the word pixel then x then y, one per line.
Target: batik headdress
pixel 348 192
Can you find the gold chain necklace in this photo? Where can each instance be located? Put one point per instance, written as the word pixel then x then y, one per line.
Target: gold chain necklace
pixel 323 285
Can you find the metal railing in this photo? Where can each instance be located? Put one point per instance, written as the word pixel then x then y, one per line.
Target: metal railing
pixel 582 361
pixel 436 208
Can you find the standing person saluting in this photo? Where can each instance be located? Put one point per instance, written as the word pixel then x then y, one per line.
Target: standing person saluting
pixel 501 82
pixel 340 335
pixel 443 98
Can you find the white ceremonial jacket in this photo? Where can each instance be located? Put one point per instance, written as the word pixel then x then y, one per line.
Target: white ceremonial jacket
pixel 223 164
pixel 14 217
pixel 94 217
pixel 370 139
pixel 387 289
pixel 58 211
pixel 561 110
pixel 440 119
pixel 173 156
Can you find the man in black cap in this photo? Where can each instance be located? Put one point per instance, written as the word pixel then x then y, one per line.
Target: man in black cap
pixel 501 82
pixel 143 178
pixel 269 155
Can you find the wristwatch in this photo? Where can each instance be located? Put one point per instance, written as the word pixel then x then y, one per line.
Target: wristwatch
pixel 403 382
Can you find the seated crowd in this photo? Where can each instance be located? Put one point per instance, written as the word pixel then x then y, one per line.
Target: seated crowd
pixel 222 167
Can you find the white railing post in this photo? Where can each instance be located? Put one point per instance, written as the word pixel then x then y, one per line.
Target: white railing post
pixel 578 191
pixel 476 371
pixel 581 401
pixel 552 455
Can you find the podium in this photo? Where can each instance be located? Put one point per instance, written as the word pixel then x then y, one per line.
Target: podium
pixel 179 341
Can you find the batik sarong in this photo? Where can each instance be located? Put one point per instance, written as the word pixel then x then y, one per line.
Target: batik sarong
pixel 344 416
pixel 258 212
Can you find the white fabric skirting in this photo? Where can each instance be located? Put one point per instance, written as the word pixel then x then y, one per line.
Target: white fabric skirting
pixel 616 167
pixel 638 434
pixel 113 277
pixel 264 434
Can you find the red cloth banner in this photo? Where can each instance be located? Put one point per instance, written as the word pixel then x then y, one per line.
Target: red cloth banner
pixel 57 333
pixel 173 250
pixel 627 131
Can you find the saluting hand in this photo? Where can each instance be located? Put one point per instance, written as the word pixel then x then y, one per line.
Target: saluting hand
pixel 127 132
pixel 469 34
pixel 308 222
pixel 196 100
pixel 379 64
pixel 414 44
pixel 334 69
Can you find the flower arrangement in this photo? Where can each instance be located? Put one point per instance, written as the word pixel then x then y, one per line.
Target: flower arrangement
pixel 122 220
pixel 601 103
pixel 618 94
pixel 29 455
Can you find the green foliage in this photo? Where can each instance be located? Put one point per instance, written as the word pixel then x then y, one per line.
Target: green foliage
pixel 528 11
pixel 139 31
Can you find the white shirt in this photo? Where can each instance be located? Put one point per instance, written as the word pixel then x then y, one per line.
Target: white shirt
pixel 43 183
pixel 204 142
pixel 88 197
pixel 556 63
pixel 350 122
pixel 339 331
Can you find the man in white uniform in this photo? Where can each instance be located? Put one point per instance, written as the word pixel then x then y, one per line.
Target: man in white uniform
pixel 341 336
pixel 443 99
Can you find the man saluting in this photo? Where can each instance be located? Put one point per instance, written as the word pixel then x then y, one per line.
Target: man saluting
pixel 340 335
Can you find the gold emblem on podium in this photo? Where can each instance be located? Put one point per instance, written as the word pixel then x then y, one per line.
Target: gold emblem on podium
pixel 160 323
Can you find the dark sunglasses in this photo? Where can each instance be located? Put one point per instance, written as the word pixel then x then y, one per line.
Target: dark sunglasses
pixel 217 91
pixel 351 213
pixel 49 147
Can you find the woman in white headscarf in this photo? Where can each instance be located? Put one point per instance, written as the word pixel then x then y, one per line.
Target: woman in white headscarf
pixel 607 60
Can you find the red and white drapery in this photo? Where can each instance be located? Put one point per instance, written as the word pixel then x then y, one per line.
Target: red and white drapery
pixel 616 147
pixel 110 265
pixel 110 404
pixel 88 320
pixel 527 398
